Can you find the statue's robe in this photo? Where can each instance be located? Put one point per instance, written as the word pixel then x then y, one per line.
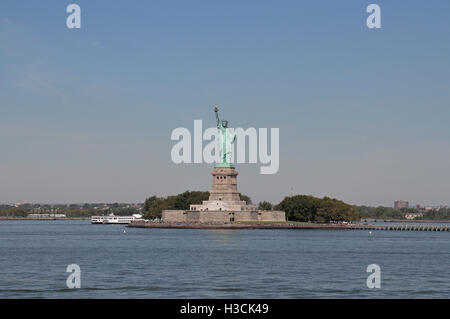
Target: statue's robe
pixel 226 138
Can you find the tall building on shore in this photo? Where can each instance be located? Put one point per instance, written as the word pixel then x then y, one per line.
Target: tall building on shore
pixel 399 204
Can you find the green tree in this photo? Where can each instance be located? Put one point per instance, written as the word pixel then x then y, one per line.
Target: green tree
pixel 246 198
pixel 265 205
pixel 308 208
pixel 149 202
pixel 153 206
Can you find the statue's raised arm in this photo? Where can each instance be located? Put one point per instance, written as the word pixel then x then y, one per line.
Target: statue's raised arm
pixel 216 110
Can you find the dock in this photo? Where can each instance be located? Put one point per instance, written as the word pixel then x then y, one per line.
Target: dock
pixel 402 227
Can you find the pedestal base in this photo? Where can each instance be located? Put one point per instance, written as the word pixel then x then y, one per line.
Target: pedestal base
pixel 224 185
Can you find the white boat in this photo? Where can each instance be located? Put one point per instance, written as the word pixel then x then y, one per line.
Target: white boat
pixel 113 219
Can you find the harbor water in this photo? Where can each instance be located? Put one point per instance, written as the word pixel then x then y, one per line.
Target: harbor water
pixel 120 262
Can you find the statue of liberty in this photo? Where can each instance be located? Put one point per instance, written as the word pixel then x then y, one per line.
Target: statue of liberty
pixel 226 139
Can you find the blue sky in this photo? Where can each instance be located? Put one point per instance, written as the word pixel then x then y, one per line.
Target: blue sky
pixel 86 115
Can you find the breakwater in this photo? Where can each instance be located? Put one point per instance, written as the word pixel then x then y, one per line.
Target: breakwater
pixel 403 227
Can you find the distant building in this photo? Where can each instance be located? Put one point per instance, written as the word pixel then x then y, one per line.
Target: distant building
pixel 413 215
pixel 46 216
pixel 399 204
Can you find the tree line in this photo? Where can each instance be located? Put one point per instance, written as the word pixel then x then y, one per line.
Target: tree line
pixel 381 212
pixel 436 214
pixel 307 208
pixel 9 211
pixel 76 211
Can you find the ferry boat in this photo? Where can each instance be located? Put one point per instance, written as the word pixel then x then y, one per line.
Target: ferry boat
pixel 113 219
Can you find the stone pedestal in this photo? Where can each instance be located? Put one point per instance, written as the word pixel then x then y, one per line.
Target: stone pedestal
pixel 224 185
pixel 224 204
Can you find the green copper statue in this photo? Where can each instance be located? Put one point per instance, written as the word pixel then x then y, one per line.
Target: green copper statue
pixel 226 138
